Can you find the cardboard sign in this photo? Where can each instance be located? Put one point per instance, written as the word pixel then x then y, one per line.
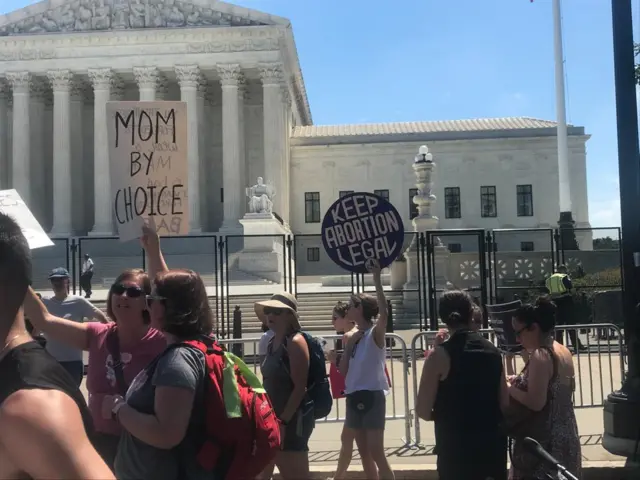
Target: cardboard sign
pixel 360 226
pixel 12 204
pixel 148 165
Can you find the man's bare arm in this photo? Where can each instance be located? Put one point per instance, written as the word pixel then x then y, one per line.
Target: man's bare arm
pixel 43 435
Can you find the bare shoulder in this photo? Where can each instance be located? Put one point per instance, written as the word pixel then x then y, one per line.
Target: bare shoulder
pixel 24 409
pixel 298 341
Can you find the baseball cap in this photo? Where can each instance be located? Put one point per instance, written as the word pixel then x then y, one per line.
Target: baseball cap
pixel 59 273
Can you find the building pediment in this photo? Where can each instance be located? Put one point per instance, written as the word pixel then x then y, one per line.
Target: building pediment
pixel 65 16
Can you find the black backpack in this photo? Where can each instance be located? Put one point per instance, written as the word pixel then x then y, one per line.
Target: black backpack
pixel 318 388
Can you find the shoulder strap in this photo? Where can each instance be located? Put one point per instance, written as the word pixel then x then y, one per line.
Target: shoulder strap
pixel 554 360
pixel 113 346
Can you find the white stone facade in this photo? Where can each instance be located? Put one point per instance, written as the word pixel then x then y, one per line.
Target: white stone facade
pixel 249 117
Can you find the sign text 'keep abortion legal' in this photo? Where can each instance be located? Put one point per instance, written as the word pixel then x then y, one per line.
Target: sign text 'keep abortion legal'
pixel 148 162
pixel 360 226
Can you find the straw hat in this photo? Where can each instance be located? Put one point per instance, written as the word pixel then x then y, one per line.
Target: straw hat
pixel 283 300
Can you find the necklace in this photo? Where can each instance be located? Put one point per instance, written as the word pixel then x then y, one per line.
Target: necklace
pixel 6 345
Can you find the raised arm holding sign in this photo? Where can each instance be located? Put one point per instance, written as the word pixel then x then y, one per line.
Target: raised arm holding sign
pixel 148 164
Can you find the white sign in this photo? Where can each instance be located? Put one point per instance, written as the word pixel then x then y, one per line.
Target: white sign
pixel 12 204
pixel 148 165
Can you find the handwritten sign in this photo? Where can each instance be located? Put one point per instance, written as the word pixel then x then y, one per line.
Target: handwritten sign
pixel 360 226
pixel 148 165
pixel 12 204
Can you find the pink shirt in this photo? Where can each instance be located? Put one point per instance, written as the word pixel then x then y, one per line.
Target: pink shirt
pixel 101 379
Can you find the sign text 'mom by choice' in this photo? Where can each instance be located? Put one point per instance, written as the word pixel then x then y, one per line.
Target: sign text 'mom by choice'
pixel 148 163
pixel 360 226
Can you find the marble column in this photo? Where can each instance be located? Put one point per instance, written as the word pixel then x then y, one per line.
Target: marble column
pixel 147 80
pixel 229 79
pixel 39 92
pixel 203 87
pixel 286 157
pixel 78 166
pixel 243 94
pixel 4 137
pixel 189 80
pixel 21 154
pixel 61 84
pixel 272 77
pixel 101 79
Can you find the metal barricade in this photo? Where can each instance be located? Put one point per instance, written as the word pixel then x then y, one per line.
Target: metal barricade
pixel 396 353
pixel 597 371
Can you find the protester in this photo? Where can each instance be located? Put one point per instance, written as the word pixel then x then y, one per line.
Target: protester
pixel 86 275
pixel 545 387
pixel 347 328
pixel 363 365
pixel 163 412
pixel 70 307
pixel 118 350
pixel 285 371
pixel 44 417
pixel 462 377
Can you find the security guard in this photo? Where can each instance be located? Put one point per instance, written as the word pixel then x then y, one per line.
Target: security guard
pixel 559 286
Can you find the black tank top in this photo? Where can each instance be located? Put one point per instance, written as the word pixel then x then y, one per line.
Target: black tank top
pixel 29 366
pixel 467 407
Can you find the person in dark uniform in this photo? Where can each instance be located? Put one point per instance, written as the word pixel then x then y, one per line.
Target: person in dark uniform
pixel 44 417
pixel 463 389
pixel 560 288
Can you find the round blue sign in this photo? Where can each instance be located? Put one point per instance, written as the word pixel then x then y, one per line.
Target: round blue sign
pixel 360 226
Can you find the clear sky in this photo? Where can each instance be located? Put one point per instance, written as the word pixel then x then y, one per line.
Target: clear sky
pixel 379 61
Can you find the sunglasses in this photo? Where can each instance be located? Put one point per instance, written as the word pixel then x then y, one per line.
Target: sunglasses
pixel 273 311
pixel 132 292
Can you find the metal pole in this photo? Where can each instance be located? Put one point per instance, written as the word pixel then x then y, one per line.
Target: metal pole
pixel 561 113
pixel 622 408
pixel 628 169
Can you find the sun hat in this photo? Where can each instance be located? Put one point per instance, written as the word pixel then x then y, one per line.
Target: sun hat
pixel 59 273
pixel 283 300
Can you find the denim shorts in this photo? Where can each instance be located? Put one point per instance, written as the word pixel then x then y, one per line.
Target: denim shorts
pixel 366 410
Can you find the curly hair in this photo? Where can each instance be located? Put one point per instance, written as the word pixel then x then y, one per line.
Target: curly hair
pixel 340 310
pixel 187 311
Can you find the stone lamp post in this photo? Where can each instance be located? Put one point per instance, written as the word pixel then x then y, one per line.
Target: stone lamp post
pixel 423 167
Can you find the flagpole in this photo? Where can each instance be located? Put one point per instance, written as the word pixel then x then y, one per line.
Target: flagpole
pixel 564 184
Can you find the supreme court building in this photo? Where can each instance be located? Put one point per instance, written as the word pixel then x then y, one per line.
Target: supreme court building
pixel 248 117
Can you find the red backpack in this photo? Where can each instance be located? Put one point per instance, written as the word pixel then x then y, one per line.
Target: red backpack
pixel 242 431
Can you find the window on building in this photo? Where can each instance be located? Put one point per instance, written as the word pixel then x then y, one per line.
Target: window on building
pixel 382 193
pixel 413 208
pixel 342 193
pixel 525 200
pixel 452 202
pixel 313 254
pixel 312 207
pixel 454 247
pixel 526 247
pixel 488 202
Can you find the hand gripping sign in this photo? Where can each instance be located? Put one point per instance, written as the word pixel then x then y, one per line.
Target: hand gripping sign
pixel 361 226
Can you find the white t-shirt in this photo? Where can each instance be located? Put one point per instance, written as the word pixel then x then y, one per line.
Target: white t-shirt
pixel 263 344
pixel 86 266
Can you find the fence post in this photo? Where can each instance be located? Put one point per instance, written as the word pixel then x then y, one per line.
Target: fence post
pixel 74 248
pixel 390 341
pixel 238 348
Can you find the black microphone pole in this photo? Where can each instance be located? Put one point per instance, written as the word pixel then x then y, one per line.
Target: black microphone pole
pixel 533 447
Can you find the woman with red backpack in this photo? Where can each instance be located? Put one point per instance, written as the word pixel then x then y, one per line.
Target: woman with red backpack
pixel 180 418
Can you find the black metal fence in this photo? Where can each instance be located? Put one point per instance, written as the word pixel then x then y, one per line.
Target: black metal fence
pixel 493 265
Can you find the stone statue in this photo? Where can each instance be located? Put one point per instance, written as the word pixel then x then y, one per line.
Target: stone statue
pixel 260 196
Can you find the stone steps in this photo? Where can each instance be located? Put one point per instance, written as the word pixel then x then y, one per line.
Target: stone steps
pixel 314 309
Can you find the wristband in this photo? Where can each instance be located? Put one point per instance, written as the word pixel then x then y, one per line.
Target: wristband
pixel 116 409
